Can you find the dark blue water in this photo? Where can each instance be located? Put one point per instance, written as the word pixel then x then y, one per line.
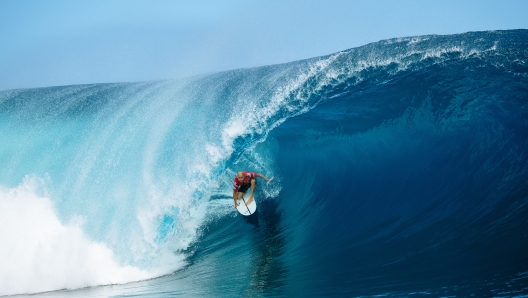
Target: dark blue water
pixel 401 170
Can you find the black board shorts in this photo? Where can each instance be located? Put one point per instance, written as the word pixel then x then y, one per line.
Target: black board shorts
pixel 244 187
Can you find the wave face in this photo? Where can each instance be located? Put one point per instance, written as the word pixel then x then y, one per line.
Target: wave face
pixel 401 169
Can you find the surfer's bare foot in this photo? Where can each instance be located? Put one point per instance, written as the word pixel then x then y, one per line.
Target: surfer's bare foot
pixel 249 201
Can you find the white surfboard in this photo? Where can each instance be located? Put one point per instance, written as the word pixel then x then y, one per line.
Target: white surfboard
pixel 244 208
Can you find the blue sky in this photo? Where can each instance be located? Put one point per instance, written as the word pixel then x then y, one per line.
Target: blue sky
pixel 58 42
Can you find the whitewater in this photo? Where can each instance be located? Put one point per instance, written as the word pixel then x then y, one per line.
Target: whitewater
pixel 401 169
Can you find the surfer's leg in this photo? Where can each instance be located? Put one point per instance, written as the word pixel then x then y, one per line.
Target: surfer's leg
pixel 253 187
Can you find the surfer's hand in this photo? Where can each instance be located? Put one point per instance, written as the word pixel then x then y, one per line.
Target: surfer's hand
pixel 269 180
pixel 236 205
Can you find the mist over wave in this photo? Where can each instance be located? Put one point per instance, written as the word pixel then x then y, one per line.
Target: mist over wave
pixel 400 167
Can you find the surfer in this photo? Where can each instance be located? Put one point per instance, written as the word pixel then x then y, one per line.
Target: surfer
pixel 243 181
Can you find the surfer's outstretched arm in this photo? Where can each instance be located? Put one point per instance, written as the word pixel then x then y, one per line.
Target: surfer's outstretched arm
pixel 264 177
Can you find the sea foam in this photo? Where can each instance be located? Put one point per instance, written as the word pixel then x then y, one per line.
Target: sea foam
pixel 41 253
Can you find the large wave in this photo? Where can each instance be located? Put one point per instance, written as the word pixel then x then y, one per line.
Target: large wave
pixel 400 167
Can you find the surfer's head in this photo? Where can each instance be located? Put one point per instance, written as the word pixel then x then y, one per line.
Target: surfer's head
pixel 240 175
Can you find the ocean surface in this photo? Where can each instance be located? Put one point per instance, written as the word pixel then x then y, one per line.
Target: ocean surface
pixel 401 170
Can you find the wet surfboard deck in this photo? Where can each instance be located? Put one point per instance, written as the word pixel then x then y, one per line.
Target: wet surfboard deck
pixel 244 208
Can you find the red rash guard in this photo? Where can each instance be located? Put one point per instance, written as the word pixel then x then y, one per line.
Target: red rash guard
pixel 247 179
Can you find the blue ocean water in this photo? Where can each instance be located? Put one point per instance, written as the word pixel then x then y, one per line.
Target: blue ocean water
pixel 401 170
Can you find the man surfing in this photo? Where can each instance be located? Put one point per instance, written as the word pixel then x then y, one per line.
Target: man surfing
pixel 243 181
